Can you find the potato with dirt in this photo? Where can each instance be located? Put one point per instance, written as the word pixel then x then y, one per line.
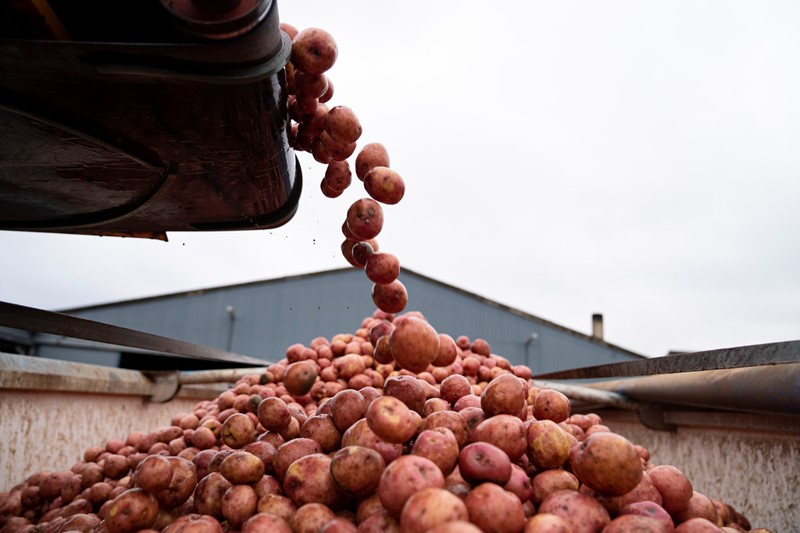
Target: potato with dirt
pixel 300 377
pixel 494 509
pixel 273 414
pixel 359 434
pixel 675 488
pixel 314 51
pixel 504 394
pixel 310 518
pixel 451 420
pixel 238 504
pixel 131 511
pixel 192 523
pixel 584 512
pixel 263 522
pixel 635 524
pixel 404 477
pixel 371 155
pixel 182 485
pixel 385 185
pixel 208 494
pixel 649 509
pixel 242 468
pixel 507 432
pixel 309 480
pixel 390 297
pixel 290 451
pixel 237 431
pixel 429 508
pixel 357 470
pixel 607 463
pixel 414 343
pixel 440 446
pixel 278 505
pixel 548 445
pixel 382 268
pixel 547 523
pixel 407 389
pixel 480 461
pixel 391 420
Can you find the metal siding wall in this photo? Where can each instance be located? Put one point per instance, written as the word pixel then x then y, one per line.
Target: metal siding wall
pixel 272 315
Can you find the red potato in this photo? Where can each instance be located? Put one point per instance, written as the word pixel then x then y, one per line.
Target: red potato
pixel 519 483
pixel 322 429
pixel 551 405
pixel 607 463
pixel 357 470
pixel 131 511
pixel 440 446
pixel 203 438
pixel 429 508
pixel 454 386
pixel 584 512
pixel 414 343
pixel 309 480
pixel 154 473
pixel 456 526
pixel 650 510
pixel 450 420
pixel 700 506
pixel 384 185
pixel 273 414
pixel 548 481
pixel 504 431
pixel 494 509
pixel 407 389
pixel 276 504
pixel 361 253
pixel 382 268
pixel 290 451
pixel 371 155
pixel 192 523
pixel 481 461
pixel 310 517
pixel 368 507
pixel 182 485
pixel 390 297
pixel 314 51
pixel 238 504
pixel 338 175
pixel 84 523
pixel 242 468
pixel 697 525
pixel 635 524
pixel 300 377
pixel 347 407
pixel 237 431
pixel 381 522
pixel 505 394
pixel 547 523
pixel 448 352
pixel 359 434
pixel 548 444
pixel 326 149
pixel 261 449
pixel 208 494
pixel 115 467
pixel 343 125
pixel 310 85
pixel 365 219
pixel 675 488
pixel 339 525
pixel 391 420
pixel 405 476
pixel 644 491
pixel 266 522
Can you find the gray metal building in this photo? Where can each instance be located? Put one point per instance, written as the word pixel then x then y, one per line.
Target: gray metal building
pixel 262 318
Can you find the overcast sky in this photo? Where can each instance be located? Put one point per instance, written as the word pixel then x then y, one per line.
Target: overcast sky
pixel 636 159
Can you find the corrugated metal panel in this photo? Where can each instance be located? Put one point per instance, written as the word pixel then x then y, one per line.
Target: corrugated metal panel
pixel 268 316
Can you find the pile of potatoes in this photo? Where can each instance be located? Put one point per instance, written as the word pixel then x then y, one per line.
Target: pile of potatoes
pixel 344 436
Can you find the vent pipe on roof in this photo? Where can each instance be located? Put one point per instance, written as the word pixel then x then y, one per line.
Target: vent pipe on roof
pixel 597 326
